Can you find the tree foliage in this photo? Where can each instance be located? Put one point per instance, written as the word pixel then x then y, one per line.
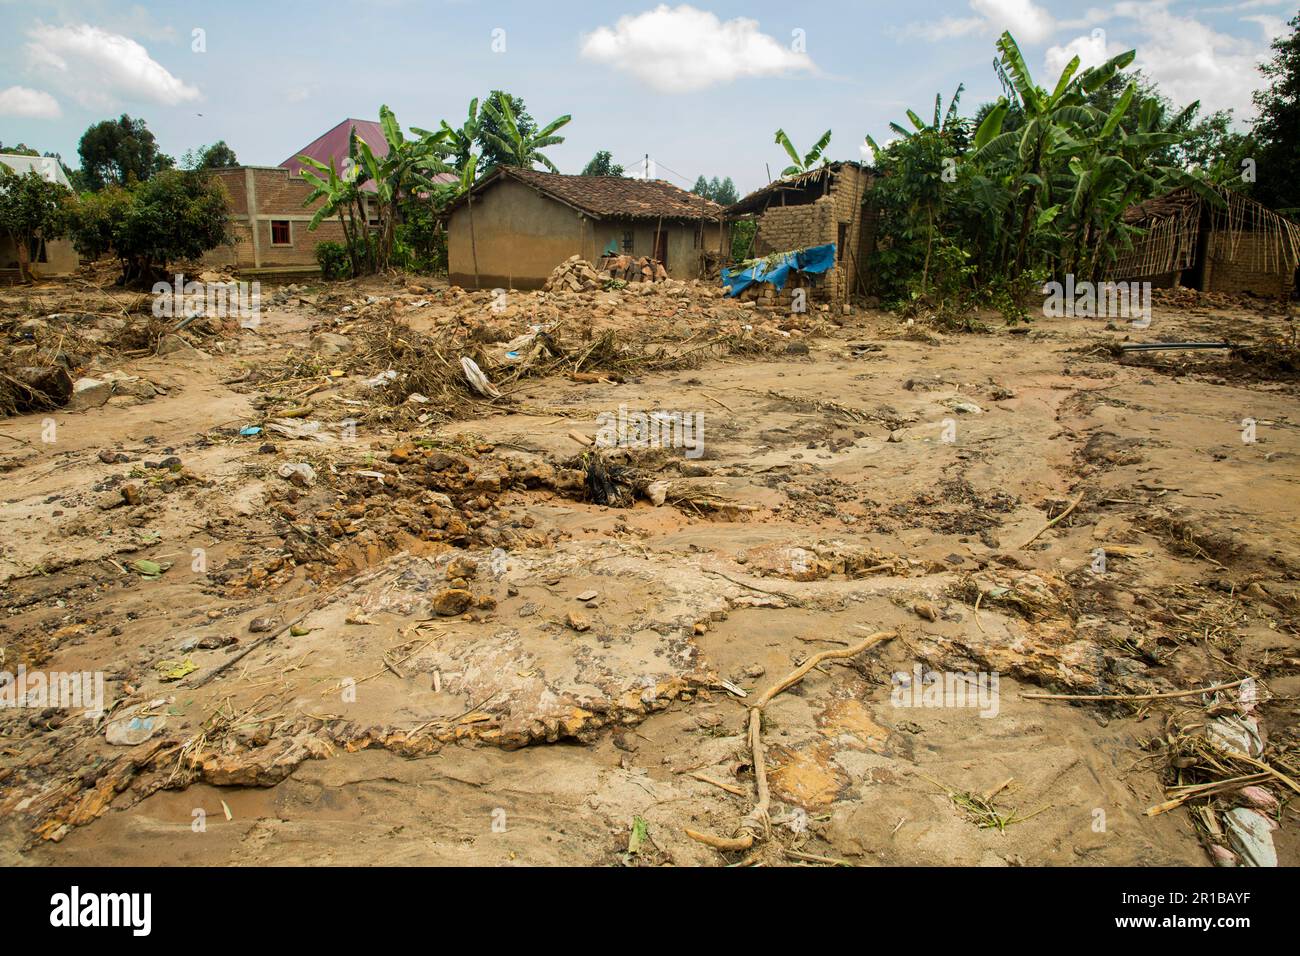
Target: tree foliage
pixel 723 192
pixel 175 216
pixel 33 210
pixel 1037 184
pixel 602 164
pixel 1277 129
pixel 216 156
pixel 803 162
pixel 119 152
pixel 512 143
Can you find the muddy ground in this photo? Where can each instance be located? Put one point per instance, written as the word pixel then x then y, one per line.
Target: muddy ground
pixel 437 648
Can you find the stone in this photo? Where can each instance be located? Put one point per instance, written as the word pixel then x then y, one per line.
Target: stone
pixel 171 344
pixel 463 567
pixel 577 622
pixel 451 601
pixel 89 393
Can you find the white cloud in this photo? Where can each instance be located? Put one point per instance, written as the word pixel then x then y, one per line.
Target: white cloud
pixel 1187 59
pixel 1092 50
pixel 20 101
pixel 1027 21
pixel 679 49
pixel 97 68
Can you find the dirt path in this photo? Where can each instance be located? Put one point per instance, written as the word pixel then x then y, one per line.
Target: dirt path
pixel 864 477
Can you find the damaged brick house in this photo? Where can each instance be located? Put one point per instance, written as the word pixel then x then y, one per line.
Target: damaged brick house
pixel 519 224
pixel 824 205
pixel 1240 246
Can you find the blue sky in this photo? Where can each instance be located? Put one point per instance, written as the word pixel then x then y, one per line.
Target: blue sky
pixel 700 87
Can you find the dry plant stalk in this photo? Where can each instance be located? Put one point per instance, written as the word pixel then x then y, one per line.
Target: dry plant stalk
pixel 757 824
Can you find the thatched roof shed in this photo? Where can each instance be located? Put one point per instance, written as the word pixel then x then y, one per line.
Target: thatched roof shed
pixel 1234 245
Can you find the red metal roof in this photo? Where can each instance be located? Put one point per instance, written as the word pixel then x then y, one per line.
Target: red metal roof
pixel 331 147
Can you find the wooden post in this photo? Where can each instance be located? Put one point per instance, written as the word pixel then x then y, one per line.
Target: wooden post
pixel 473 246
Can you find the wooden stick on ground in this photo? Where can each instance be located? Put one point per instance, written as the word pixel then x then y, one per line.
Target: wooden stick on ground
pixel 1073 504
pixel 1167 695
pixel 756 824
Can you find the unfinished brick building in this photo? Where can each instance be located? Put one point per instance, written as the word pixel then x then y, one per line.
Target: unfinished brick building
pixel 269 222
pixel 268 218
pixel 1238 246
pixel 825 205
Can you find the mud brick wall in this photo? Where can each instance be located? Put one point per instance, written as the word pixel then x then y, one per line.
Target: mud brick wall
pixel 782 228
pixel 1246 265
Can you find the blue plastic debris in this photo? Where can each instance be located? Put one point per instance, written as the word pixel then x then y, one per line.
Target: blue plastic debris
pixel 812 260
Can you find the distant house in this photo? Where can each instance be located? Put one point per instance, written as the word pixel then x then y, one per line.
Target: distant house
pixel 55 257
pixel 268 218
pixel 824 205
pixel 522 223
pixel 1239 246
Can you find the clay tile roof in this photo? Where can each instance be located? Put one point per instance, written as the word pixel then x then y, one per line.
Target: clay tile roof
pixel 613 196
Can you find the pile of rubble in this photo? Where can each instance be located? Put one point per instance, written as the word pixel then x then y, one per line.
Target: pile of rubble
pixel 576 274
pixel 633 268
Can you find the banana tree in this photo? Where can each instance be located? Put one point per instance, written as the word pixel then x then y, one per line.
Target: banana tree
pixel 403 172
pixel 928 146
pixel 1046 138
pixel 458 143
pixel 342 199
pixel 1119 168
pixel 520 147
pixel 802 164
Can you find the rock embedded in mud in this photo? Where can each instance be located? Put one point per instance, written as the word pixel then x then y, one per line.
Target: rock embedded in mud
pixel 463 567
pixel 450 602
pixel 260 625
pixel 577 622
pixel 89 393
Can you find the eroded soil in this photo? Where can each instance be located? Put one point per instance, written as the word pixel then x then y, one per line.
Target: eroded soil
pixel 438 649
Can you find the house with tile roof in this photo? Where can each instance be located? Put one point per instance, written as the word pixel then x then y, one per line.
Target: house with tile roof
pixel 516 225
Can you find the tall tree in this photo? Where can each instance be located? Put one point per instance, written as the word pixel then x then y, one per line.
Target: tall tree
pixel 511 142
pixel 723 192
pixel 1278 127
pixel 490 130
pixel 602 164
pixel 216 156
pixel 120 151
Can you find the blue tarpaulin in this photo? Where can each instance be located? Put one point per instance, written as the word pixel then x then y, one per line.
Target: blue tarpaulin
pixel 814 259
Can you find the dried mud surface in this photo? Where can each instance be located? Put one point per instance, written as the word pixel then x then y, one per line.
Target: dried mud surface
pixel 438 649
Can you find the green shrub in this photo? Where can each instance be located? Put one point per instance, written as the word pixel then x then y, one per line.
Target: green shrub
pixel 333 260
